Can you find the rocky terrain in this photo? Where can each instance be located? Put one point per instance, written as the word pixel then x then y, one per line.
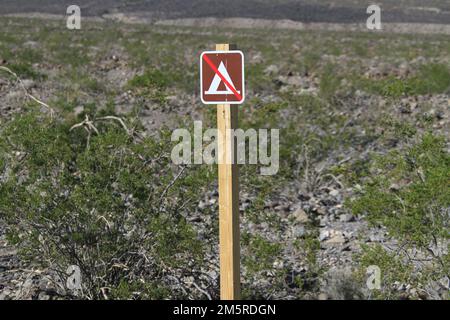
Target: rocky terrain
pixel 338 74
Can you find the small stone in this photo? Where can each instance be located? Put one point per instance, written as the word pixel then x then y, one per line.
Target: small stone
pixel 78 110
pixel 323 221
pixel 43 296
pixel 336 239
pixel 321 211
pixel 278 264
pixel 324 234
pixel 394 187
pixel 374 238
pixel 298 231
pixel 28 84
pixel 440 115
pixel 300 216
pixel 322 296
pixel 405 110
pixel 212 274
pixel 202 205
pixel 5 294
pixel 272 69
pixel 334 193
pixel 346 217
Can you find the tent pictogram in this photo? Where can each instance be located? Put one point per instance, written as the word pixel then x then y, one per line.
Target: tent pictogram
pixel 214 88
pixel 222 77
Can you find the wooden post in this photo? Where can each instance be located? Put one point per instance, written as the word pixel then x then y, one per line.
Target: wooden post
pixel 229 234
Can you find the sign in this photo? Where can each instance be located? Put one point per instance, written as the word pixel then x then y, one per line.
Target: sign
pixel 222 77
pixel 222 84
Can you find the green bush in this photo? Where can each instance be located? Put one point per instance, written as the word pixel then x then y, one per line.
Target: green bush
pixel 151 84
pixel 106 202
pixel 151 78
pixel 430 79
pixel 25 70
pixel 408 193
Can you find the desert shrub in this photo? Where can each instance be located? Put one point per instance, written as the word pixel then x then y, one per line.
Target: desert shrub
pixel 110 203
pixel 258 265
pixel 151 78
pixel 329 82
pixel 408 193
pixel 430 79
pixel 25 70
pixel 151 84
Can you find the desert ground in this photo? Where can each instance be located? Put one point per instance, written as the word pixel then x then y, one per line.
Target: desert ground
pixel 342 100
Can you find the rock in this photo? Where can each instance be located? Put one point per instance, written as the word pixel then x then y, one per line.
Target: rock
pixel 375 238
pixel 324 234
pixel 300 216
pixel 257 58
pixel 334 193
pixel 440 115
pixel 347 217
pixel 272 69
pixel 212 274
pixel 324 221
pixel 278 264
pixel 321 211
pixel 338 238
pixel 202 205
pixel 28 84
pixel 43 296
pixel 322 296
pixel 394 187
pixel 304 196
pixel 298 231
pixel 78 110
pixel 6 294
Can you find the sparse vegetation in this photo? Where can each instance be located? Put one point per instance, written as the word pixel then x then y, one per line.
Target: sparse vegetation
pixel 363 119
pixel 108 203
pixel 408 193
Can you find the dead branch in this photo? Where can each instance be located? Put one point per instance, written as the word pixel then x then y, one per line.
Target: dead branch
pixel 117 119
pixel 29 95
pixel 163 194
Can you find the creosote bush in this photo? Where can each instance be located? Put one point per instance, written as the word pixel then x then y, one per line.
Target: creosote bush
pixel 115 207
pixel 408 193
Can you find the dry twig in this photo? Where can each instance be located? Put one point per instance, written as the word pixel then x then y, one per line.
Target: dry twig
pixel 29 95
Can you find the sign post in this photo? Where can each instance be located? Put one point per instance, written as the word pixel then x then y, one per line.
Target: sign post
pixel 222 83
pixel 229 234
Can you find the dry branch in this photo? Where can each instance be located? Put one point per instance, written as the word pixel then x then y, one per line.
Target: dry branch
pixel 29 95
